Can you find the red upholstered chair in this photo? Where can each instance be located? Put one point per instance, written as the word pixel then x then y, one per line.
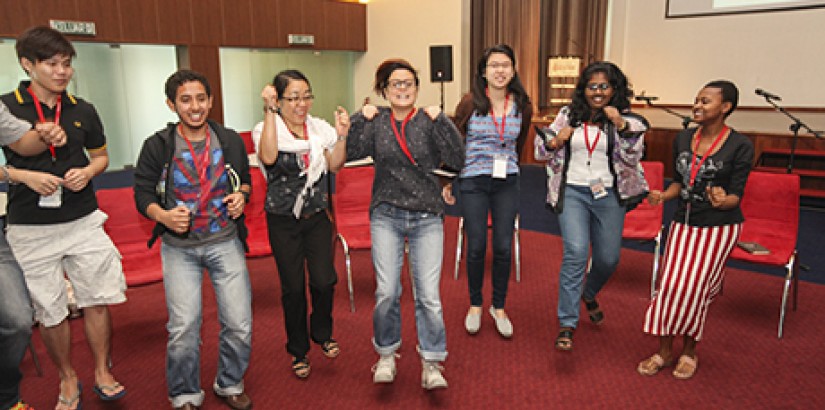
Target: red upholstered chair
pixel 459 245
pixel 644 223
pixel 258 239
pixel 350 207
pixel 771 208
pixel 130 231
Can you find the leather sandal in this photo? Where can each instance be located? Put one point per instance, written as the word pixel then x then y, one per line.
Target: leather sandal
pixel 686 367
pixel 564 341
pixel 596 315
pixel 331 348
pixel 652 365
pixel 301 367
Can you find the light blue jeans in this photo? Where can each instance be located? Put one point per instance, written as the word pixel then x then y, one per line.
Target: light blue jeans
pixel 182 278
pixel 390 227
pixel 16 317
pixel 586 224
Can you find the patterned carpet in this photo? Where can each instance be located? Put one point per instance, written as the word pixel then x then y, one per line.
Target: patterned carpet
pixel 742 364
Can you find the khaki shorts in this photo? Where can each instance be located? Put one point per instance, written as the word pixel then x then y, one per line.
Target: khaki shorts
pixel 81 249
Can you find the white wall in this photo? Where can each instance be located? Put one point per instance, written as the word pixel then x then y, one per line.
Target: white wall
pixel 407 29
pixel 782 52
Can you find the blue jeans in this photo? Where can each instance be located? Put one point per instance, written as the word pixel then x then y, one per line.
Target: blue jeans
pixel 481 195
pixel 16 317
pixel 586 224
pixel 389 227
pixel 182 280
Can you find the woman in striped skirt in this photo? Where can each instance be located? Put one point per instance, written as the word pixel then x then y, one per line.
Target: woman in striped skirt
pixel 711 165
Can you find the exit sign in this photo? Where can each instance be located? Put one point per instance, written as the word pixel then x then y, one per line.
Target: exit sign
pixel 77 28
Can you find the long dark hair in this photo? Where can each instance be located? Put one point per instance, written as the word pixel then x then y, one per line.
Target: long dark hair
pixel 580 110
pixel 481 102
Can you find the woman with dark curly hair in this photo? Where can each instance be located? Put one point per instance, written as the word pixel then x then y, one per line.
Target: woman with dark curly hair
pixel 592 151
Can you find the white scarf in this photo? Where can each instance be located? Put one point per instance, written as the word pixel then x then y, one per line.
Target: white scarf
pixel 321 137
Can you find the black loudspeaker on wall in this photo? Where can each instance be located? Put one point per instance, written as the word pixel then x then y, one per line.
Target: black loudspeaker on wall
pixel 441 64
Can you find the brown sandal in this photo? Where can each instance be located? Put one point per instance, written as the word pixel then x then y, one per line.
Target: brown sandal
pixel 564 341
pixel 686 367
pixel 300 367
pixel 331 348
pixel 652 365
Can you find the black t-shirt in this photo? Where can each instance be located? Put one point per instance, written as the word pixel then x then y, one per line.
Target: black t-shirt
pixel 84 131
pixel 727 168
pixel 285 182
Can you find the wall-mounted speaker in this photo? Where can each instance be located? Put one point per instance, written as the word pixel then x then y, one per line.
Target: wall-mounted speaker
pixel 441 64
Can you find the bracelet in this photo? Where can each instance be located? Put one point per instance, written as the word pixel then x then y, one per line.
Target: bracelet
pixel 341 138
pixel 270 109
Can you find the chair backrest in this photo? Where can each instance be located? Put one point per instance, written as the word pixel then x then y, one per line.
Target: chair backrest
pixel 246 136
pixel 351 204
pixel 645 221
pixel 771 208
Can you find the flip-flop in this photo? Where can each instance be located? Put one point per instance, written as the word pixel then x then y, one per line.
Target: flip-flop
pixel 68 402
pixel 652 365
pixel 101 390
pixel 686 367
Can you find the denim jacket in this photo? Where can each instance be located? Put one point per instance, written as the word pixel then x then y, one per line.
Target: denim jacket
pixel 625 150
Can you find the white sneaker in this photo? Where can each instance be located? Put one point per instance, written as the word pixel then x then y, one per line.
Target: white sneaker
pixel 384 370
pixel 503 324
pixel 431 377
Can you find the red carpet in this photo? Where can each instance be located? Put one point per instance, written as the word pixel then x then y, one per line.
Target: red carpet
pixel 741 363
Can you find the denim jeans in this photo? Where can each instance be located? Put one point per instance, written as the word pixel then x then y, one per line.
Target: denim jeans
pixel 587 224
pixel 389 227
pixel 182 279
pixel 481 195
pixel 302 246
pixel 16 317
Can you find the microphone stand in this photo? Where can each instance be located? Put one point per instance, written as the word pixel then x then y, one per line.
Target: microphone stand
pixel 794 127
pixel 649 101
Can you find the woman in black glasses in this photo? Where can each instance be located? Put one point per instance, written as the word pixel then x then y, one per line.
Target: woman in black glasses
pixel 298 151
pixel 592 151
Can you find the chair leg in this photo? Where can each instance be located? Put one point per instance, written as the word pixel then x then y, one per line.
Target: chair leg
pixel 789 276
pixel 654 277
pixel 348 264
pixel 795 280
pixel 459 246
pixel 35 359
pixel 517 239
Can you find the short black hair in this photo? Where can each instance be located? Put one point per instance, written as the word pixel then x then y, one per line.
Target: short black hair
pixel 282 79
pixel 729 93
pixel 385 70
pixel 42 43
pixel 181 77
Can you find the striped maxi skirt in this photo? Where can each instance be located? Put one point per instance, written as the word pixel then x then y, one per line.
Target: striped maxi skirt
pixel 692 274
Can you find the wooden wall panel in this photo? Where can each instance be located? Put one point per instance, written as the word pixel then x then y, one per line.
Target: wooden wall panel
pixel 313 20
pixel 15 18
pixel 265 27
pixel 206 22
pixel 139 21
pixel 289 20
pixel 174 21
pixel 345 27
pixel 58 10
pixel 237 22
pixel 204 59
pixel 106 16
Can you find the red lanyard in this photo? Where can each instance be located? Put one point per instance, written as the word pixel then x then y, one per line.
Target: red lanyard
pixel 42 118
pixel 503 116
pixel 402 136
pixel 203 159
pixel 590 148
pixel 716 141
pixel 305 157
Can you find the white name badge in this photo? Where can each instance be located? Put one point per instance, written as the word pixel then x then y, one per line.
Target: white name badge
pixel 500 166
pixel 51 201
pixel 597 188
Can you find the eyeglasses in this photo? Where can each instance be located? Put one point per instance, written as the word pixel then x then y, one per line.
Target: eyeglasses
pixel 599 86
pixel 502 65
pixel 399 84
pixel 306 99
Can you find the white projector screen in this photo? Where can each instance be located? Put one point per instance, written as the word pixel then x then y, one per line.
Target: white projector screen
pixel 693 8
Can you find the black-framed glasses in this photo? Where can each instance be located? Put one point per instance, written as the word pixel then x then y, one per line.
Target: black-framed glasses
pixel 599 86
pixel 503 65
pixel 306 99
pixel 399 84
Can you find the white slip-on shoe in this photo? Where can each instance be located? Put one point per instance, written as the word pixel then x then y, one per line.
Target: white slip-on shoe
pixel 503 324
pixel 431 377
pixel 472 322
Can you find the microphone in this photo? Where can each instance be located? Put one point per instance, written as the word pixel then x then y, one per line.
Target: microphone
pixel 767 95
pixel 645 98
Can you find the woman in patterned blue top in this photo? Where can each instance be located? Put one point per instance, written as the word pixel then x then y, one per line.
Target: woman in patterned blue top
pixel 494 119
